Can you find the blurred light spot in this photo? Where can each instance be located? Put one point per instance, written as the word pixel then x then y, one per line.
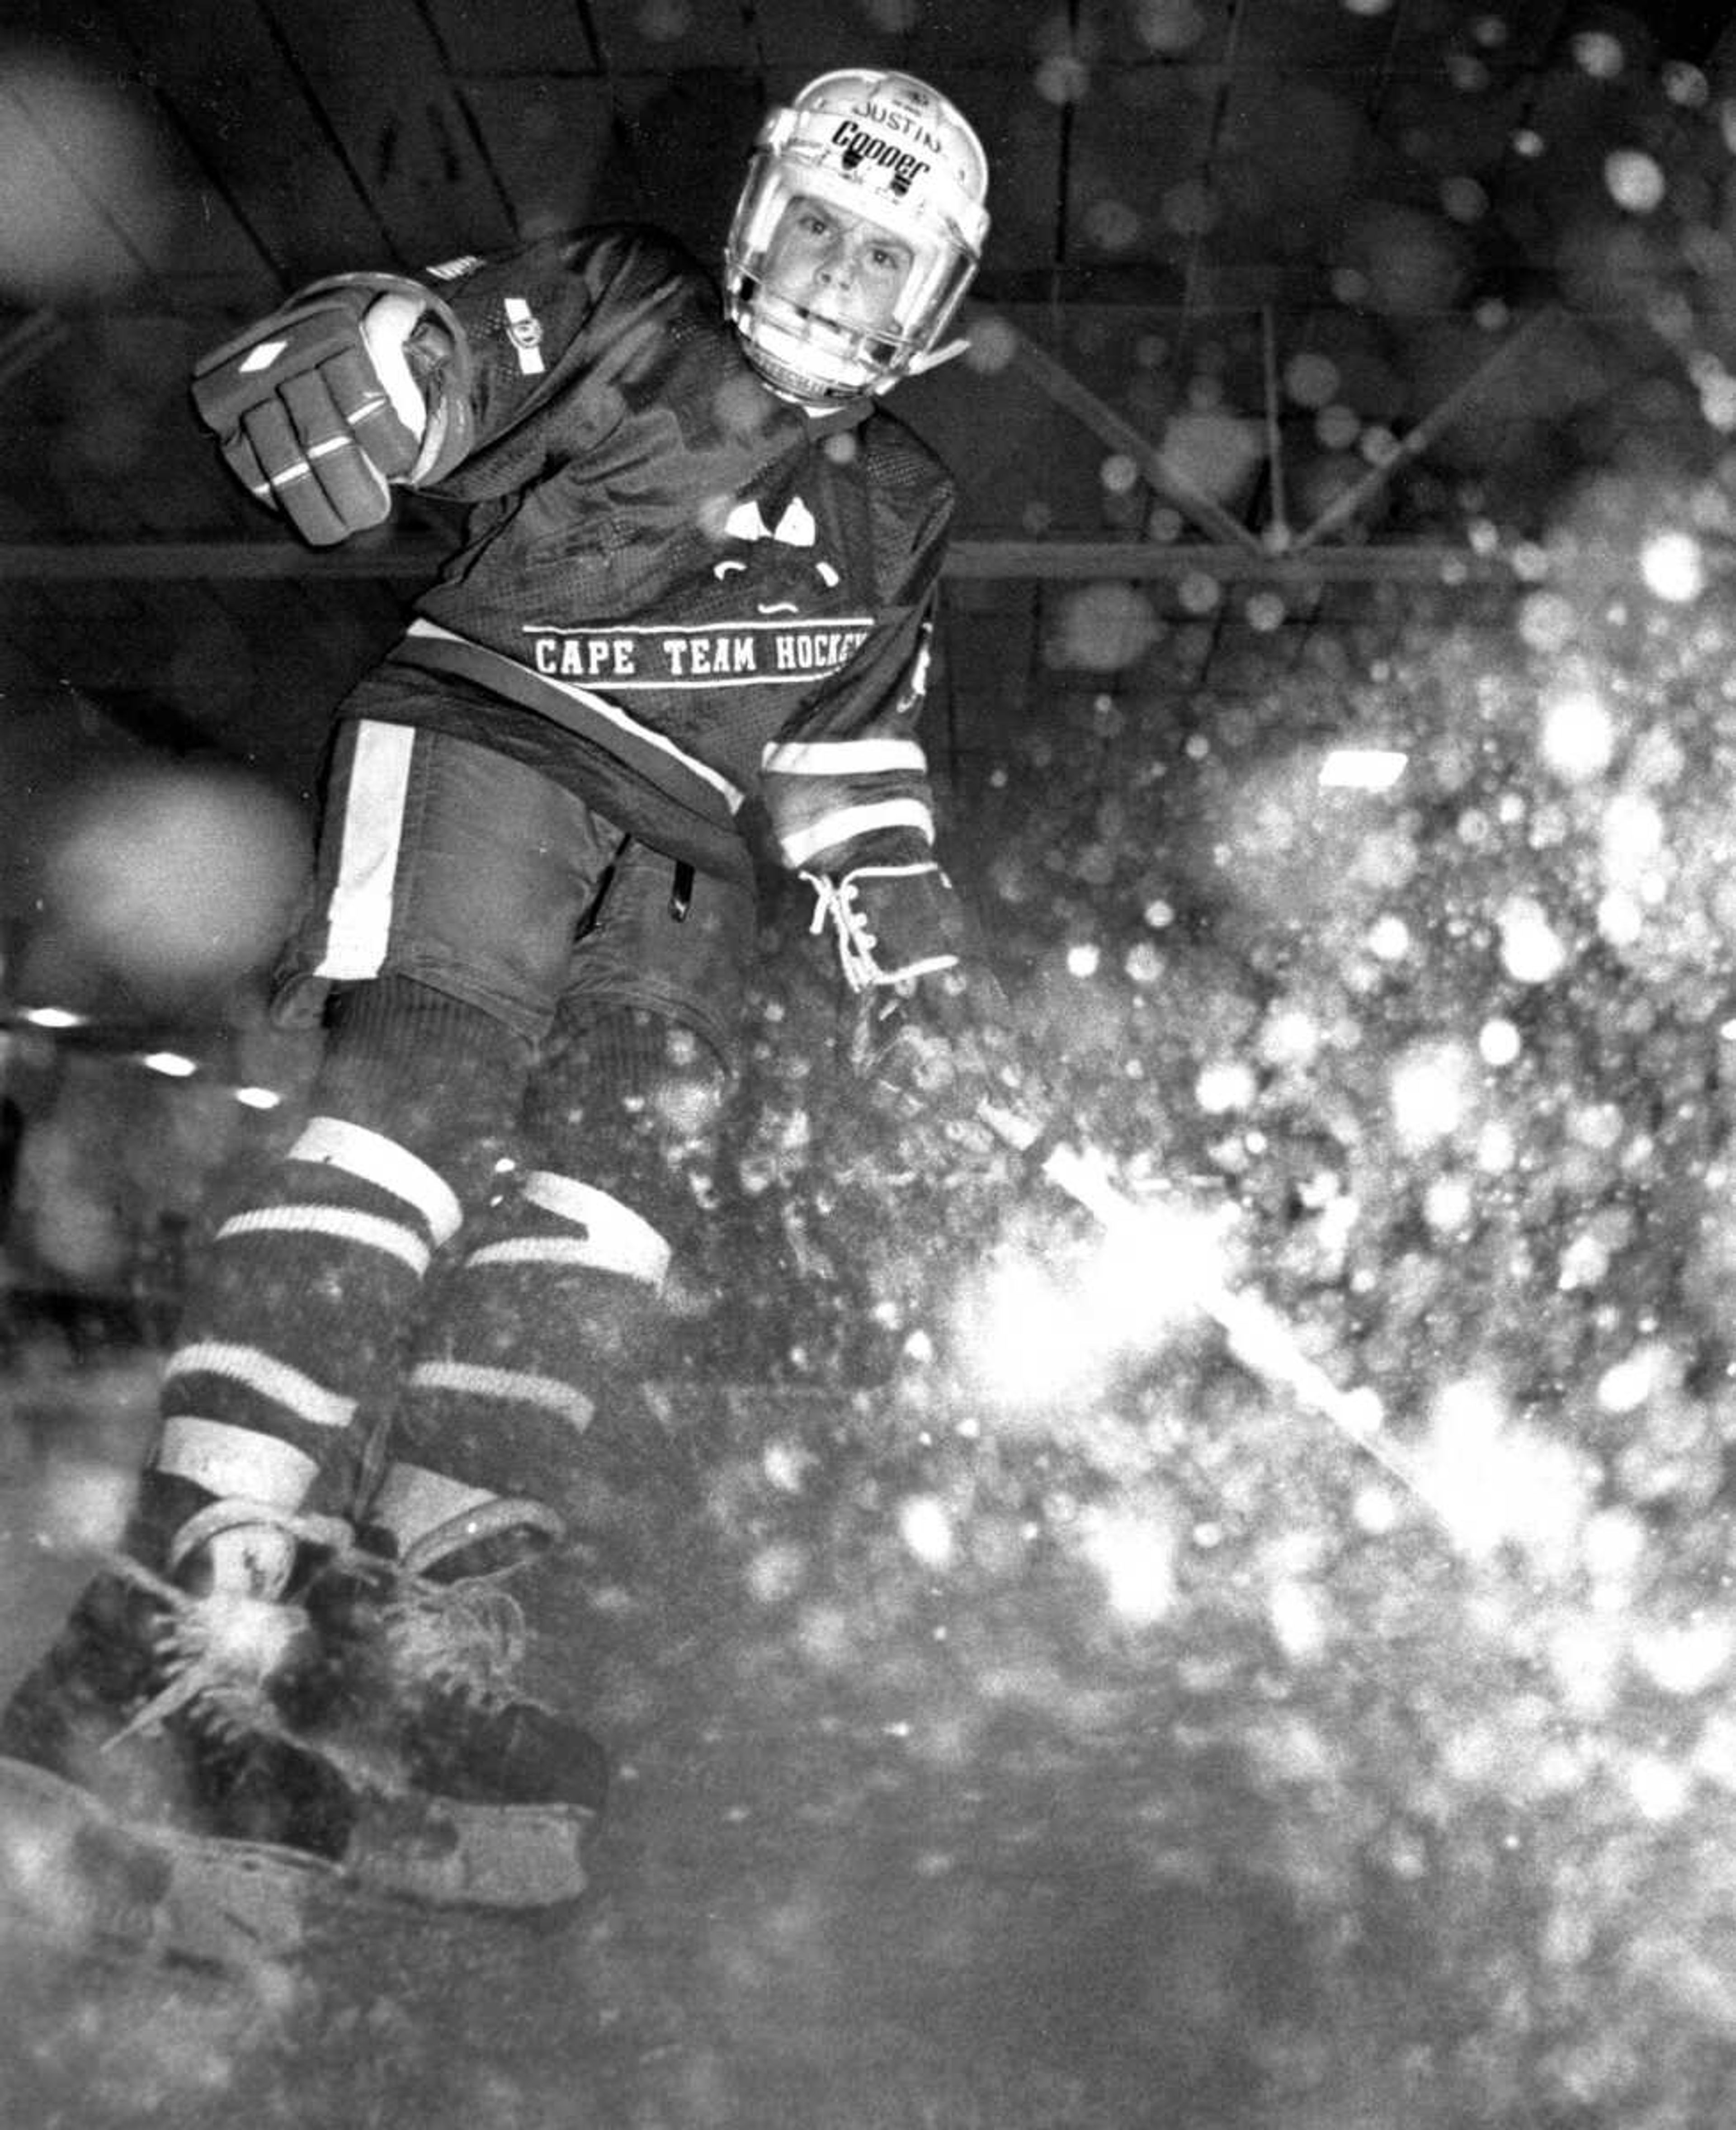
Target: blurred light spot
pixel 1211 451
pixel 993 345
pixel 1661 1789
pixel 1376 1509
pixel 1463 200
pixel 1265 611
pixel 175 877
pixel 1633 839
pixel 1495 1481
pixel 1369 8
pixel 1634 180
pixel 1686 1656
pixel 1198 593
pixel 662 22
pixel 1136 1557
pixel 1112 225
pixel 1547 621
pixel 1685 85
pixel 1628 1383
pixel 1337 427
pixel 1290 1037
pixel 1298 1620
pixel 1498 1043
pixel 926 1528
pixel 1497 1147
pixel 1599 54
pixel 1448 1205
pixel 86 1506
pixel 1578 735
pixel 1022 1339
pixel 170 1063
pixel 1169 27
pixel 1532 951
pixel 1428 1091
pixel 1389 938
pixel 1224 1087
pixel 258 1098
pixel 1613 1549
pixel 52 1016
pixel 1620 918
pixel 1362 768
pixel 1062 78
pixel 1083 959
pixel 1673 566
pixel 777 1572
pixel 1311 380
pixel 1412 263
pixel 1118 473
pixel 1102 628
pixel 66 141
pixel 1159 914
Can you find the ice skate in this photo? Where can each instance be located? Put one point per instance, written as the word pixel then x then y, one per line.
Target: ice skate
pixel 187 1765
pixel 153 1800
pixel 487 1795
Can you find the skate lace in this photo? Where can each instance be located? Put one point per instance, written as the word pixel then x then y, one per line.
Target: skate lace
pixel 465 1633
pixel 466 1638
pixel 217 1653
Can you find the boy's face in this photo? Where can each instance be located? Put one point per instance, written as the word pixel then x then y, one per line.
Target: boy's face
pixel 849 270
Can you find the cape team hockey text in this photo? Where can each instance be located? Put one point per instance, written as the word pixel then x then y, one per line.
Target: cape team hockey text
pixel 655 657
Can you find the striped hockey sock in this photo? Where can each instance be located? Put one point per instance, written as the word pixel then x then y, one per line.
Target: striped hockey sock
pixel 542 1314
pixel 298 1324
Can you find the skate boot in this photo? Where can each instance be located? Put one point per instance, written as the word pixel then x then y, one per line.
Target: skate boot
pixel 160 1695
pixel 487 1794
pixel 153 1800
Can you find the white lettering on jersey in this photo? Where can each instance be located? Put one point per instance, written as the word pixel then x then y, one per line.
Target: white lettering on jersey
pixel 796 528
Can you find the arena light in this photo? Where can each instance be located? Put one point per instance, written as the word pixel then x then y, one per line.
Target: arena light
pixel 52 1016
pixel 1362 768
pixel 170 1064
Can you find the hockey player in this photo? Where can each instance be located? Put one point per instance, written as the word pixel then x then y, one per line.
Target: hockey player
pixel 694 582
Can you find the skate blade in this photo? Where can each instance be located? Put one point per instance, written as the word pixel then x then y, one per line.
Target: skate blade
pixel 77 1877
pixel 436 1852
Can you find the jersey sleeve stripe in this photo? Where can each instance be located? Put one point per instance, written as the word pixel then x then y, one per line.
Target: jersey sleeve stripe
pixel 843 757
pixel 848 824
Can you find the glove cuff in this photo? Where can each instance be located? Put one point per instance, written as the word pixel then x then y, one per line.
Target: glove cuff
pixel 435 354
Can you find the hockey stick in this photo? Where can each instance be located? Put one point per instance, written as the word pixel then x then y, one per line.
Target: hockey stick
pixel 1257 1335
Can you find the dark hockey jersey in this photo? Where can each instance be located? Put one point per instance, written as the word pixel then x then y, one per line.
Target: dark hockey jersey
pixel 715 596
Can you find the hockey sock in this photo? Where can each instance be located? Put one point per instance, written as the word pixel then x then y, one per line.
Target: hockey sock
pixel 294 1331
pixel 559 1301
pixel 555 1299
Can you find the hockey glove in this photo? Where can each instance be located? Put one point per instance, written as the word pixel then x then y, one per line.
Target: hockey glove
pixel 321 409
pixel 891 923
pixel 932 1053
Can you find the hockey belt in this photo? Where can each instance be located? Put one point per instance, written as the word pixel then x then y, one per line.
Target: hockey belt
pixel 305 419
pixel 891 923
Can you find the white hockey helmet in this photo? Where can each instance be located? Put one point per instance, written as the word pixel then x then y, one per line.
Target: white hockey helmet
pixel 887 149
